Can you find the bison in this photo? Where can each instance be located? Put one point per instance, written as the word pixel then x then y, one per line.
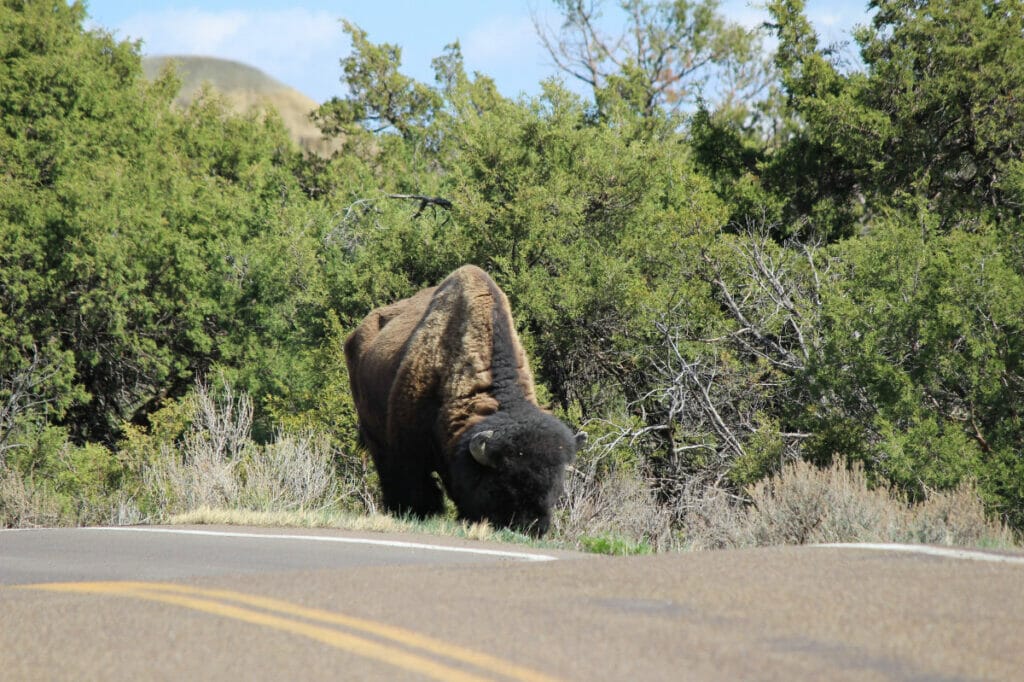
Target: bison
pixel 442 386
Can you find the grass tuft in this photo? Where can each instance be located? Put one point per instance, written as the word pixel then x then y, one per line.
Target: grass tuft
pixel 351 521
pixel 614 545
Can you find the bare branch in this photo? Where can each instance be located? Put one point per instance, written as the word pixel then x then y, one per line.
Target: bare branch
pixel 669 51
pixel 23 392
pixel 424 201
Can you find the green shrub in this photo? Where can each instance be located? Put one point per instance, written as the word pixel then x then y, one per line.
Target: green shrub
pixel 48 480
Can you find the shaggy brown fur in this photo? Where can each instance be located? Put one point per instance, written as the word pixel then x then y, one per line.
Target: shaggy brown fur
pixel 427 370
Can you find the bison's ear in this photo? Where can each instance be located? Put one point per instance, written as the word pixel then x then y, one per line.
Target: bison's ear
pixel 581 440
pixel 478 448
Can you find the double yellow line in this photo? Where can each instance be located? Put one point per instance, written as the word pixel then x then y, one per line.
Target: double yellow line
pixel 394 646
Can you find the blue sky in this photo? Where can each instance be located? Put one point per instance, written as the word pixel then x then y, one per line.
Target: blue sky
pixel 301 42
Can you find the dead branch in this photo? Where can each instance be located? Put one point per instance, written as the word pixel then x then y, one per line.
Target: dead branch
pixel 22 392
pixel 424 202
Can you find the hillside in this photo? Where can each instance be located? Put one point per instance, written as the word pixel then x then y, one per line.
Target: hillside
pixel 244 87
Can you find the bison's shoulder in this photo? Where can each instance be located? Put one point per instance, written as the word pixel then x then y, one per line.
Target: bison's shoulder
pixel 481 330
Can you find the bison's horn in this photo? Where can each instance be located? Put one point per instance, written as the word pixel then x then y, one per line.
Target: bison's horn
pixel 478 448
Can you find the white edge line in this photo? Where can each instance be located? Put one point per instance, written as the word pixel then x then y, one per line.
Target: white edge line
pixel 523 556
pixel 945 552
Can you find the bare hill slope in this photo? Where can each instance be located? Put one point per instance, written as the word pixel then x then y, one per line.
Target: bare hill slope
pixel 244 87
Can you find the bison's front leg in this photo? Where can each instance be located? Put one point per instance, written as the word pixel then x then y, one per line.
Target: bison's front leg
pixel 407 480
pixel 412 493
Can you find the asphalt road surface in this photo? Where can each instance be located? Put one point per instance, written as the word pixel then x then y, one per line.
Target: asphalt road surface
pixel 261 604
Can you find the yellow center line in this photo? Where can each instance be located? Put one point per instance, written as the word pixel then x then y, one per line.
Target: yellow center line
pixel 193 598
pixel 397 634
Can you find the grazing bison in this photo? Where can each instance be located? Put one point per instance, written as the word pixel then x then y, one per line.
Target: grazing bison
pixel 441 384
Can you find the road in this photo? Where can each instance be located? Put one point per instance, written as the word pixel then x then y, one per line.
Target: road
pixel 262 604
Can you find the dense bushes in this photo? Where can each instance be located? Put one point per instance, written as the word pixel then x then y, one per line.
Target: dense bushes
pixel 714 297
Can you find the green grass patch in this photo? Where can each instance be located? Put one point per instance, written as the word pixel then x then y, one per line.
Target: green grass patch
pixel 614 545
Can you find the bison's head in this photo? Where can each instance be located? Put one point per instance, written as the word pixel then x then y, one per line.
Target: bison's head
pixel 509 468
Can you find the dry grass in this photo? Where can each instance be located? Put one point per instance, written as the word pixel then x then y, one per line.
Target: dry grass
pixel 618 505
pixel 804 504
pixel 326 518
pixel 27 504
pixel 619 512
pixel 956 518
pixel 24 505
pixel 217 465
pixel 296 471
pixel 293 472
pixel 323 518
